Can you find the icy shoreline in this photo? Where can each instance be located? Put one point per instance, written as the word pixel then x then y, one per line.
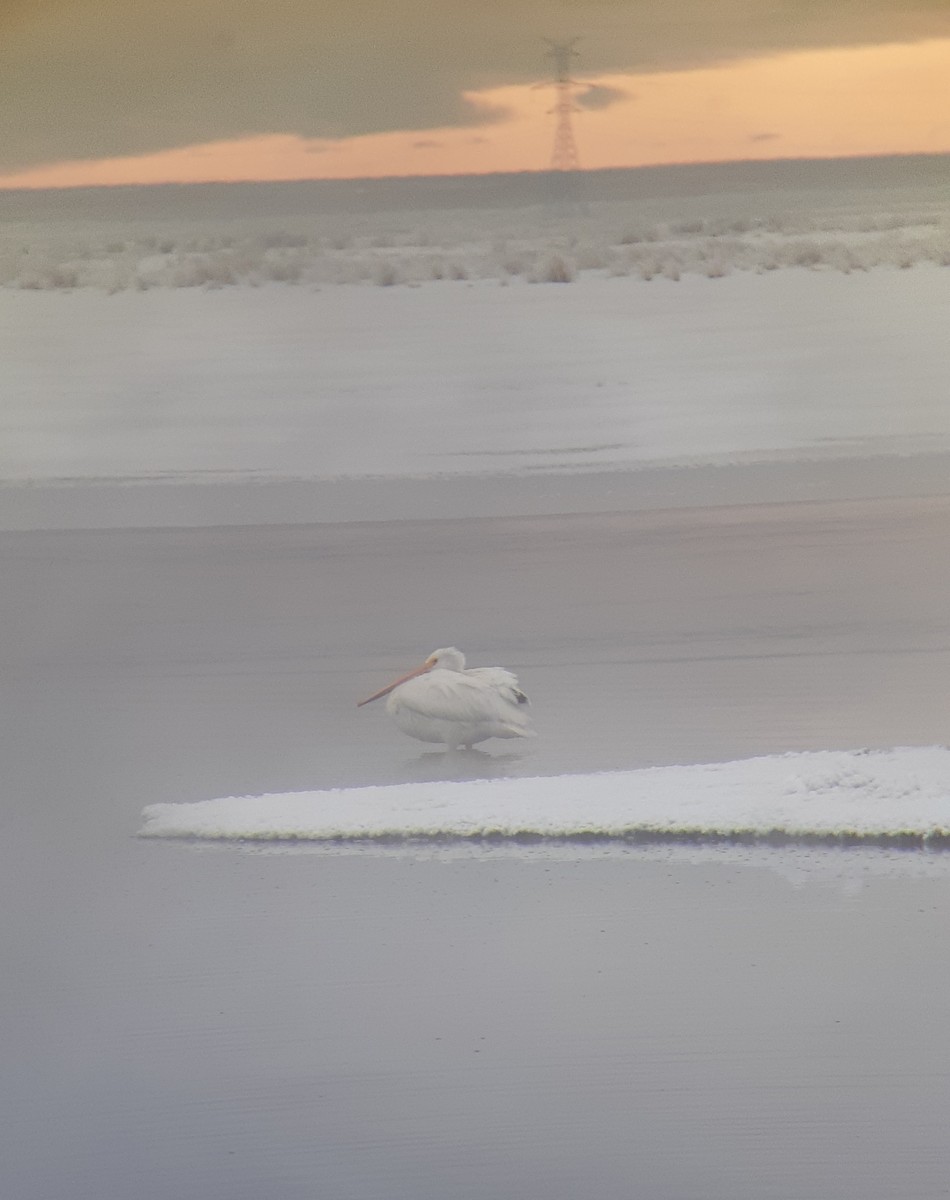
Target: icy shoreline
pixel 894 479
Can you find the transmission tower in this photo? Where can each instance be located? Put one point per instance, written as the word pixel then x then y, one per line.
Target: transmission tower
pixel 564 155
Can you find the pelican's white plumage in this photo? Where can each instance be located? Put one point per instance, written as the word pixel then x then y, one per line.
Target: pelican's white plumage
pixel 442 701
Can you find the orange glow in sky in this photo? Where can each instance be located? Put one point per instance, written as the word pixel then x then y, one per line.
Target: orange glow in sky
pixel 827 103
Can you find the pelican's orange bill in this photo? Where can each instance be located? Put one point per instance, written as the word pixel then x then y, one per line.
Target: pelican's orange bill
pixel 390 687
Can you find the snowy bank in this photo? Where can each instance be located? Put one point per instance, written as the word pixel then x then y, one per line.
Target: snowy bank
pixel 879 797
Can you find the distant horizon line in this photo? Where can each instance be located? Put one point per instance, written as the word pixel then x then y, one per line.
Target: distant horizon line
pixel 761 163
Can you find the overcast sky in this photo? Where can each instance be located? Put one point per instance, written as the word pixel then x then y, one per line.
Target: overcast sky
pixel 100 78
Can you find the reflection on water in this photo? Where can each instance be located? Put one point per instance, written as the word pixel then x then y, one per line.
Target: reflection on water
pixel 435 765
pixel 844 869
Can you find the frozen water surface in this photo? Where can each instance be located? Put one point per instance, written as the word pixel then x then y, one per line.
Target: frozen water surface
pixel 291 383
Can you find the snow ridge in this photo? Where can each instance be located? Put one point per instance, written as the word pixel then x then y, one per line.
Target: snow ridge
pixel 898 797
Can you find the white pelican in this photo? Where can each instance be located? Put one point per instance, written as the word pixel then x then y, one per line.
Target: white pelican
pixel 441 701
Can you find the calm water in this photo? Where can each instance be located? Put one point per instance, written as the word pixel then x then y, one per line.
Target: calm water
pixel 229 1024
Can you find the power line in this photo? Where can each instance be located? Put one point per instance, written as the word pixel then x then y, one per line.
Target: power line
pixel 564 156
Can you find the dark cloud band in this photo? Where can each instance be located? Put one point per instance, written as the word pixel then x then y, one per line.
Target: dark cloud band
pixel 98 78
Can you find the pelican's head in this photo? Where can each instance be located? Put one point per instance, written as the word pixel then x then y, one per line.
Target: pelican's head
pixel 448 659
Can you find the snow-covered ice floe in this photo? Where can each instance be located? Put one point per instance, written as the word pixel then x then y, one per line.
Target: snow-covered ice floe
pixel 896 798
